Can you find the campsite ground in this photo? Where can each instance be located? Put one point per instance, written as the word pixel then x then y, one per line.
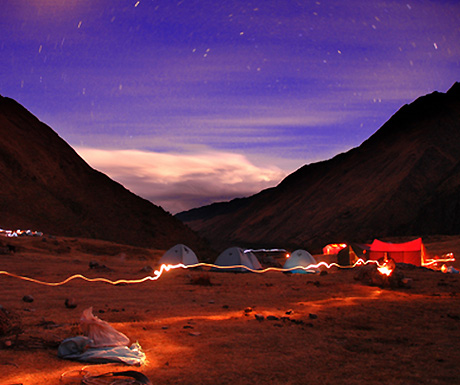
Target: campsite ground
pixel 326 329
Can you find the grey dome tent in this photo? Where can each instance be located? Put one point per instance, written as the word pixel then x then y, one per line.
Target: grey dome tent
pixel 235 256
pixel 300 258
pixel 179 254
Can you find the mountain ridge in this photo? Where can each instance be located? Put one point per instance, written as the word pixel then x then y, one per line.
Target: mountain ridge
pixel 384 187
pixel 46 186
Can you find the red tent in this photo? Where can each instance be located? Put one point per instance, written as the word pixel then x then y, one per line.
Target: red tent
pixel 412 252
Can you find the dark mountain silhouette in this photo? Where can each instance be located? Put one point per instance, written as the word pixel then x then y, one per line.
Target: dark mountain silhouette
pixel 404 180
pixel 46 186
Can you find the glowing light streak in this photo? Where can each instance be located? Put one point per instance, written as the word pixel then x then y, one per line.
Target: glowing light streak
pixel 165 268
pixel 156 275
pixel 264 250
pixel 449 257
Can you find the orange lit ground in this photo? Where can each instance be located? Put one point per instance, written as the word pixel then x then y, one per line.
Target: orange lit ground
pixel 362 334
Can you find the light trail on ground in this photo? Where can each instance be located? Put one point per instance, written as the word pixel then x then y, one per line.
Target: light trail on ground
pixel 165 268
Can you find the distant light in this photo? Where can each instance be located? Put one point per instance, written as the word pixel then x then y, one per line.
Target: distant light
pixel 137 3
pixel 435 46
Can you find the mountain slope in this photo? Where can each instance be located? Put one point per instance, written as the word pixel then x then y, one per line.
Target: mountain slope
pixel 46 186
pixel 403 180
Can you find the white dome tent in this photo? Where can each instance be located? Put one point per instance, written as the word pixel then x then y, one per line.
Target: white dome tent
pixel 235 256
pixel 179 254
pixel 300 258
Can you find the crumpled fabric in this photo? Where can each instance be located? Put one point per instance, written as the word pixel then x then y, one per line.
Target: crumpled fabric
pixel 79 349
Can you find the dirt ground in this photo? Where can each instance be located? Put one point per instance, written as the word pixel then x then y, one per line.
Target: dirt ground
pixel 200 327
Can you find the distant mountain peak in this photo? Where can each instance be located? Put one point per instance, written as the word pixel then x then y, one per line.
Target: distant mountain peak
pixel 404 180
pixel 46 186
pixel 454 90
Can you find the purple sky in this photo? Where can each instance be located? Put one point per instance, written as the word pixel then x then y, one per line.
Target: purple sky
pixel 194 101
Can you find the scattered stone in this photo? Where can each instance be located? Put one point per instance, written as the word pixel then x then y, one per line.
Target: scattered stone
pixel 10 323
pixel 407 282
pixel 28 298
pixel 187 327
pixel 323 272
pixel 48 324
pixel 211 301
pixel 201 280
pixel 225 306
pixel 165 327
pixel 312 316
pixel 97 266
pixel 8 343
pixel 290 311
pixel 272 318
pixel 194 334
pixel 70 303
pixel 11 248
pixel 259 317
pixel 456 317
pixel 248 310
pixel 147 269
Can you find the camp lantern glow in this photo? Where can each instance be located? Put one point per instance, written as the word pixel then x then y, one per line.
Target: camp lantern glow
pixel 385 269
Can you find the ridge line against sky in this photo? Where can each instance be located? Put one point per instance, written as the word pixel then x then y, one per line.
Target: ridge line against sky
pixel 194 101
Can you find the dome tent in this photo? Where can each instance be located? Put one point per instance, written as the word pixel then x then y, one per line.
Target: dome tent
pixel 235 256
pixel 179 254
pixel 300 258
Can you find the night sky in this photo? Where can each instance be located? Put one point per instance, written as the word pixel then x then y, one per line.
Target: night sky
pixel 194 101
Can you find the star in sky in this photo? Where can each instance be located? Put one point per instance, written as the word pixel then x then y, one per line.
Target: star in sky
pixel 250 91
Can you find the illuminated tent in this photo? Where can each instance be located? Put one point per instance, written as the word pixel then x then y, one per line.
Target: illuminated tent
pixel 235 256
pixel 333 248
pixel 412 252
pixel 300 258
pixel 349 255
pixel 179 254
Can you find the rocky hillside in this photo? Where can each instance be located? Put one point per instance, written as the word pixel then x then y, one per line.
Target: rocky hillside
pixel 46 186
pixel 403 180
